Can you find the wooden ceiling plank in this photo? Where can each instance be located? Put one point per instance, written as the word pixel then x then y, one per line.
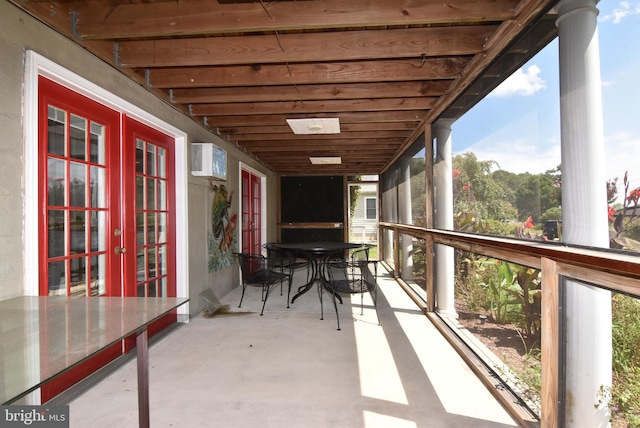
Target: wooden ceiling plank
pixel 305 47
pixel 385 144
pixel 345 128
pixel 100 20
pixel 280 145
pixel 363 152
pixel 283 65
pixel 325 137
pixel 360 117
pixel 312 107
pixel 356 156
pixel 297 74
pixel 343 91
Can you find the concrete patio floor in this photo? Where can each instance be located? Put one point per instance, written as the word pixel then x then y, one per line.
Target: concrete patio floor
pixel 289 369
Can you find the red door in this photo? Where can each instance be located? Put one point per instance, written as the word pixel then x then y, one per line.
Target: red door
pixel 251 213
pixel 79 147
pixel 149 220
pixel 106 209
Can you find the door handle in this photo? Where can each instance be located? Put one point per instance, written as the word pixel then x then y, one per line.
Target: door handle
pixel 119 250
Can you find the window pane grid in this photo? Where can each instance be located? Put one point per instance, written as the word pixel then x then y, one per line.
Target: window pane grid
pixel 76 205
pixel 151 219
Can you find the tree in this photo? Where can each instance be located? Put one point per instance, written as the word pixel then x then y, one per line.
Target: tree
pixel 418 192
pixel 476 191
pixel 536 194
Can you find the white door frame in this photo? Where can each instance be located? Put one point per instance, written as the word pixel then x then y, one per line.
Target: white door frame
pixel 263 202
pixel 37 65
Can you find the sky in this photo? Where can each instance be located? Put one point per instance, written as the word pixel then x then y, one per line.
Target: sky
pixel 518 124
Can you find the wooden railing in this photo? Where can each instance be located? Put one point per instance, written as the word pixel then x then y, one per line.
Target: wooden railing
pixel 608 269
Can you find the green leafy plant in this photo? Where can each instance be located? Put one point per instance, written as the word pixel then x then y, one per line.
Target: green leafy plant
pixel 625 392
pixel 530 299
pixel 499 279
pixel 528 379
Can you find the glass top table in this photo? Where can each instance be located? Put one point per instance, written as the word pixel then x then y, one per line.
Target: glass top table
pixel 43 337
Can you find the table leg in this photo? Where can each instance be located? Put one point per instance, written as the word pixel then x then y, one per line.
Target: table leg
pixel 315 277
pixel 142 344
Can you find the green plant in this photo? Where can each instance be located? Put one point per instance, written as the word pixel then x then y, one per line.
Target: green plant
pixel 530 298
pixel 529 377
pixel 499 279
pixel 500 228
pixel 467 287
pixel 625 391
pixel 605 400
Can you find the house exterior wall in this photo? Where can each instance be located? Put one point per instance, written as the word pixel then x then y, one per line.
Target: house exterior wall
pixel 362 229
pixel 19 32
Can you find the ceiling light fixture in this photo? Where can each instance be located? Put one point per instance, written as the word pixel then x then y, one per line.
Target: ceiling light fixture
pixel 315 125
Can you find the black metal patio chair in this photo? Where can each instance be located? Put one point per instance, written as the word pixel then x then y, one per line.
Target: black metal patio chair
pixel 287 263
pixel 257 271
pixel 354 276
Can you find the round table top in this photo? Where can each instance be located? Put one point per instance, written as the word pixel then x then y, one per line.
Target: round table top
pixel 316 247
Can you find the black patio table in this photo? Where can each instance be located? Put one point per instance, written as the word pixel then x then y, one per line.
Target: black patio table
pixel 318 253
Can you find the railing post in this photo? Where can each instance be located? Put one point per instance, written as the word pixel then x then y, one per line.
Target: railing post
pixel 429 273
pixel 396 252
pixel 550 345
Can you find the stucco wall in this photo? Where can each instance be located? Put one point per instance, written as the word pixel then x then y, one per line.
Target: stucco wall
pixel 19 32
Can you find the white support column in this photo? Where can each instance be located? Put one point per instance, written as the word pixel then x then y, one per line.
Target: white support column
pixel 584 211
pixel 406 217
pixel 444 255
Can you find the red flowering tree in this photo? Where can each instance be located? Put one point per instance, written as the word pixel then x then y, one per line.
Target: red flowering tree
pixel 622 220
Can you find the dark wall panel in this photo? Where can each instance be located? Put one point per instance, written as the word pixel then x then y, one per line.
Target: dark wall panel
pixel 312 199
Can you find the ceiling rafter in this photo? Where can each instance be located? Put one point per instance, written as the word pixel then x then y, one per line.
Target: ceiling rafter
pixel 385 69
pixel 305 47
pixel 109 20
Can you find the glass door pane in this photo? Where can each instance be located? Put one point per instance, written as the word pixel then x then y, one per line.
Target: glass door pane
pixel 75 204
pixel 151 217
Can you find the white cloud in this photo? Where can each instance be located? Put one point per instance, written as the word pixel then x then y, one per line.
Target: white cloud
pixel 521 83
pixel 523 154
pixel 623 10
pixel 518 156
pixel 520 145
pixel 622 150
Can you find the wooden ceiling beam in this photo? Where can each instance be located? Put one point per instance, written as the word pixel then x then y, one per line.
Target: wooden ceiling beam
pixel 345 128
pixel 345 117
pixel 98 19
pixel 257 136
pixel 313 107
pixel 304 47
pixel 388 144
pixel 313 73
pixel 323 170
pixel 344 91
pixel 277 158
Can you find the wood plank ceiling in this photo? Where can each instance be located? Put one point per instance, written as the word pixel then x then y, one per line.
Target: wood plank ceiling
pixel 385 68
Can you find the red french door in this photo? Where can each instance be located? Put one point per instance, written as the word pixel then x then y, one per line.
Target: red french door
pixel 148 192
pixel 79 147
pixel 251 213
pixel 106 216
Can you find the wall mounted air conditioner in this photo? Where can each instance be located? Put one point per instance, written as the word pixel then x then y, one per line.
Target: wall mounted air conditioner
pixel 208 160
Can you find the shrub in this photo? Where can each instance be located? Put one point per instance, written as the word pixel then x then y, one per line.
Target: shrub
pixel 625 394
pixel 500 228
pixel 632 229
